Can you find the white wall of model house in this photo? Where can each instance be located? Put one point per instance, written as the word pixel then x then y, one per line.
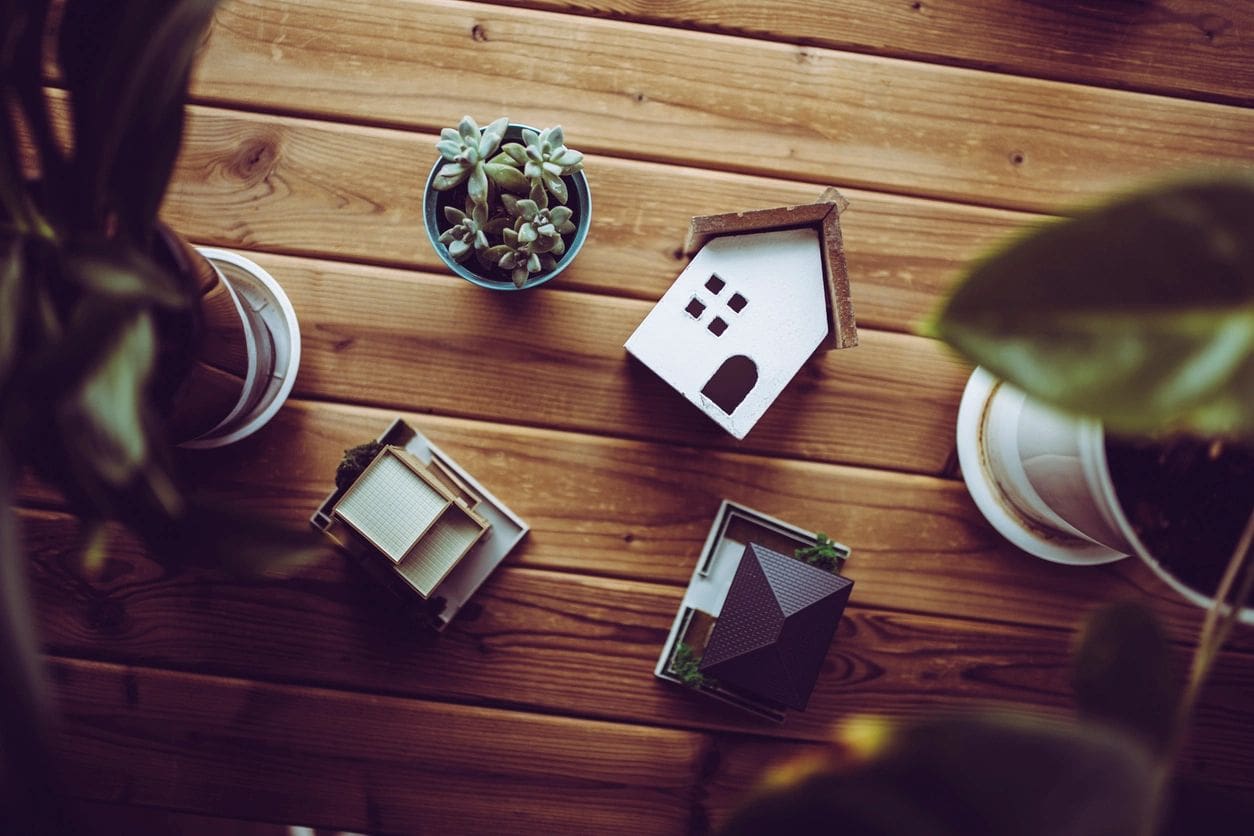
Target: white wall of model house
pixel 696 340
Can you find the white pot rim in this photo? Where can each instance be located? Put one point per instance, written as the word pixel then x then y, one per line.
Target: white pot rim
pixel 1048 544
pixel 281 316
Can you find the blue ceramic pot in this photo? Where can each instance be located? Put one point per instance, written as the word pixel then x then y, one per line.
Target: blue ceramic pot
pixel 433 203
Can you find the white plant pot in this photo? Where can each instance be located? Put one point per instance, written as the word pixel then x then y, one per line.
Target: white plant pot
pixel 1041 479
pixel 272 337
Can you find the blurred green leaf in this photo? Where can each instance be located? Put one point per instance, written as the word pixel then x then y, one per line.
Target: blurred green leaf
pixel 101 419
pixel 11 303
pixel 1124 674
pixel 1140 312
pixel 127 72
pixel 979 775
pixel 212 533
pixel 123 273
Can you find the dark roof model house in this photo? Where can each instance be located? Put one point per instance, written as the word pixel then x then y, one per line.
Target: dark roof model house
pixel 775 627
pixel 764 291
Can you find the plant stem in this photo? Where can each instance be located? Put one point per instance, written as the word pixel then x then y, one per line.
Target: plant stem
pixel 1220 618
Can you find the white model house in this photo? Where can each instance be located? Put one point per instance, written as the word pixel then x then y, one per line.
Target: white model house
pixel 765 290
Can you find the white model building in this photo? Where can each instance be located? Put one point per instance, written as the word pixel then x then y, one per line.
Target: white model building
pixel 765 290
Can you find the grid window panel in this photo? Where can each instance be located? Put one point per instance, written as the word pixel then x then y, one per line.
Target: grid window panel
pixel 392 506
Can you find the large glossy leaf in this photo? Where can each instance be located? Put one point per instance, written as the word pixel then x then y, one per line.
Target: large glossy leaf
pixel 123 273
pixel 1124 674
pixel 11 307
pixel 966 776
pixel 102 420
pixel 128 96
pixel 1140 312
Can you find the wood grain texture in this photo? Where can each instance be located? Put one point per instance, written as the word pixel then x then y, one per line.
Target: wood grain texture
pixel 438 344
pixel 1200 49
pixel 384 765
pixel 728 103
pixel 561 644
pixel 297 186
pixel 611 508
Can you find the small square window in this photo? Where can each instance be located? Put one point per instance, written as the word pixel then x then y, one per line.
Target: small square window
pixel 695 308
pixel 715 285
pixel 717 326
pixel 737 302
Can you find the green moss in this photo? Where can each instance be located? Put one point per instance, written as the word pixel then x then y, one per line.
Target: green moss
pixel 686 665
pixel 356 459
pixel 822 555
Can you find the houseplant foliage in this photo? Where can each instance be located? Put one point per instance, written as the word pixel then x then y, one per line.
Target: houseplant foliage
pixel 994 772
pixel 92 318
pixel 1139 312
pixel 514 220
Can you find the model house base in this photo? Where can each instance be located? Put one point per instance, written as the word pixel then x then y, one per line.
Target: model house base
pixel 421 526
pixel 717 580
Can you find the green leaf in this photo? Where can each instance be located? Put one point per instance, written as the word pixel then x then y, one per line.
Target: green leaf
pixel 526 209
pixel 127 75
pixel 12 286
pixel 101 419
pixel 527 234
pixel 507 177
pixel 449 149
pixel 1124 674
pixel 124 274
pixel 973 774
pixel 477 185
pixel 530 137
pixel 519 276
pixel 468 129
pixel 570 161
pixel 458 250
pixel 516 152
pixel 555 185
pixel 454 215
pixel 449 175
pixel 560 214
pixel 492 136
pixel 1140 312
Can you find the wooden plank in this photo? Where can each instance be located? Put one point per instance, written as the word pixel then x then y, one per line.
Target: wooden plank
pixel 566 645
pixel 438 344
pixel 710 100
pixel 379 764
pixel 297 186
pixel 639 511
pixel 1200 49
pixel 93 818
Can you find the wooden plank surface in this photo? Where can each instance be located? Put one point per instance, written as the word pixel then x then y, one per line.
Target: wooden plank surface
pixel 560 644
pixel 297 186
pixel 618 509
pixel 438 344
pixel 720 102
pixel 1195 48
pixel 252 750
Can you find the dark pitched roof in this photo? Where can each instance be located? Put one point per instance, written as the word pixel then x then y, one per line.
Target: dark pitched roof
pixel 775 627
pixel 823 215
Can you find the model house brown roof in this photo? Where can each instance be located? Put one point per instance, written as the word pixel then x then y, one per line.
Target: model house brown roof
pixel 822 215
pixel 775 627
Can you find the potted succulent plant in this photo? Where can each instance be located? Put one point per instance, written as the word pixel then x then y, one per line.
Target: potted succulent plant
pixel 116 337
pixel 1114 410
pixel 506 207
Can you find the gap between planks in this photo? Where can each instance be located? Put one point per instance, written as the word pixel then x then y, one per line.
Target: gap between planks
pixel 1145 49
pixel 876 122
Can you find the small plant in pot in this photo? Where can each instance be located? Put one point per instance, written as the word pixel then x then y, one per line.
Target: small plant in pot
pixel 1137 317
pixel 506 207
